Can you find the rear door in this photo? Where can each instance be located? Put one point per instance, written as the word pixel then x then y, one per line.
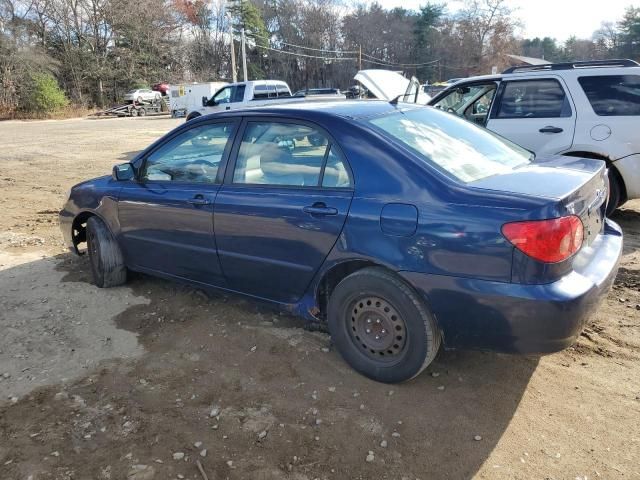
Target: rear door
pixel 166 214
pixel 537 114
pixel 282 207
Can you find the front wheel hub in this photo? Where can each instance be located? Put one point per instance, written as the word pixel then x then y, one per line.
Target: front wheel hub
pixel 376 327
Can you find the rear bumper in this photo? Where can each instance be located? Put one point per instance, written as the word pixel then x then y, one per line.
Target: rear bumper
pixel 517 318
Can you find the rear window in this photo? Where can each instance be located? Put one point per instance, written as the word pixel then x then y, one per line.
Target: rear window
pixel 613 95
pixel 451 144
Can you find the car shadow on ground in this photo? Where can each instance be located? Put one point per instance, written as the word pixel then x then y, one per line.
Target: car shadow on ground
pixel 258 367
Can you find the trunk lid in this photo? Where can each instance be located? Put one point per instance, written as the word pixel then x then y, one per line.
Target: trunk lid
pixel 576 186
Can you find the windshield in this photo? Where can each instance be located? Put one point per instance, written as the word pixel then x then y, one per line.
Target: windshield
pixel 451 144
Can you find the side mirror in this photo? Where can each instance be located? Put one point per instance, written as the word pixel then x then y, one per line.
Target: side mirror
pixel 123 172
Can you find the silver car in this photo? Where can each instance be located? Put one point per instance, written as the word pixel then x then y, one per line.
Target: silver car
pixel 142 95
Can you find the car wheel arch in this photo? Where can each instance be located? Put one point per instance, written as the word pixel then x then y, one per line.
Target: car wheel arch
pixel 333 275
pixel 79 227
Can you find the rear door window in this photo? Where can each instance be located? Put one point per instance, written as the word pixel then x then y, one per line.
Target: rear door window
pixel 544 98
pixel 613 95
pixel 238 94
pixel 288 154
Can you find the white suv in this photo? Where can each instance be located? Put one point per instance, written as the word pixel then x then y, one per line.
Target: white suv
pixel 581 109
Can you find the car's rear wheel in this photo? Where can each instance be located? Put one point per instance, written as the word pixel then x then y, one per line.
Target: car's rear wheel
pixel 615 191
pixel 105 256
pixel 381 327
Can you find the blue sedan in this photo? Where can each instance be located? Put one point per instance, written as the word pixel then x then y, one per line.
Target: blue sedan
pixel 400 228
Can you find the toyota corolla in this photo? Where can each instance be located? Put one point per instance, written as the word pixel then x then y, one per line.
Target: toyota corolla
pixel 400 228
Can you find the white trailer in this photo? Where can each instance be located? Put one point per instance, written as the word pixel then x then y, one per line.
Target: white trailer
pixel 186 97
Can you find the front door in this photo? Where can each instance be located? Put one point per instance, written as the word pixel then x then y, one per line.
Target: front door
pixel 281 209
pixel 536 114
pixel 166 215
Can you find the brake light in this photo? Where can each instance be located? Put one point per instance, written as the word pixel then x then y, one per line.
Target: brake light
pixel 548 241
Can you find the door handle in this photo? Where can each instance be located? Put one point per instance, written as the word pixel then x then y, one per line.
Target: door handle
pixel 320 209
pixel 550 129
pixel 228 108
pixel 198 200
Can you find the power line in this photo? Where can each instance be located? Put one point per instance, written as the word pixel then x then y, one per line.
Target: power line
pixel 367 58
pixel 301 46
pixel 305 55
pixel 379 61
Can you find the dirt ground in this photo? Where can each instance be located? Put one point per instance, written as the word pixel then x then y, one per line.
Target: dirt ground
pixel 141 382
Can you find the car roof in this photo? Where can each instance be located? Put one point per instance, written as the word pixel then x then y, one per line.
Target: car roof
pixel 524 73
pixel 353 109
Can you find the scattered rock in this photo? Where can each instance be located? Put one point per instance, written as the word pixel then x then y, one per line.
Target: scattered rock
pixel 332 389
pixel 197 444
pixel 370 457
pixel 435 374
pixel 215 411
pixel 262 435
pixel 141 472
pixel 395 435
pixel 55 454
pixel 477 438
pixel 441 387
pixel 203 452
pixel 325 349
pixel 383 444
pixel 178 456
pixel 254 348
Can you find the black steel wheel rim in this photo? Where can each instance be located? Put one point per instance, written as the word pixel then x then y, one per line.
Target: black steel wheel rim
pixel 376 329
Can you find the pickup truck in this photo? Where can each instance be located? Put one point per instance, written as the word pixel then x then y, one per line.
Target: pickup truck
pixel 244 94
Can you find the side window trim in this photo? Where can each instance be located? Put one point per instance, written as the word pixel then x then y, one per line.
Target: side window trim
pixel 224 161
pixel 232 159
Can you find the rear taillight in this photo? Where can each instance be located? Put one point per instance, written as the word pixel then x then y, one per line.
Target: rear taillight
pixel 548 241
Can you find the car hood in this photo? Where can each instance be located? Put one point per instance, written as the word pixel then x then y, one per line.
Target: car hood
pixel 387 85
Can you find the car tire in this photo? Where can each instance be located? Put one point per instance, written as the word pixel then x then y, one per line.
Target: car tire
pixel 133 112
pixel 142 112
pixel 615 191
pixel 381 327
pixel 105 256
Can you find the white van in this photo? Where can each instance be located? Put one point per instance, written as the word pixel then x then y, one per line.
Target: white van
pixel 186 97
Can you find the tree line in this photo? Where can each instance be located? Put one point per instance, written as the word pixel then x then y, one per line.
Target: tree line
pixel 90 52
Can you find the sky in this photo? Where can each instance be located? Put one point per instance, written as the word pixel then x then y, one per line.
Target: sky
pixel 558 19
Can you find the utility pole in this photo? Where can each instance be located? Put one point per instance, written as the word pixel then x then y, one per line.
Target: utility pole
pixel 359 57
pixel 234 75
pixel 244 58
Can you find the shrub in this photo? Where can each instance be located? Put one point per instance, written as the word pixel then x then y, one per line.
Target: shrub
pixel 43 95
